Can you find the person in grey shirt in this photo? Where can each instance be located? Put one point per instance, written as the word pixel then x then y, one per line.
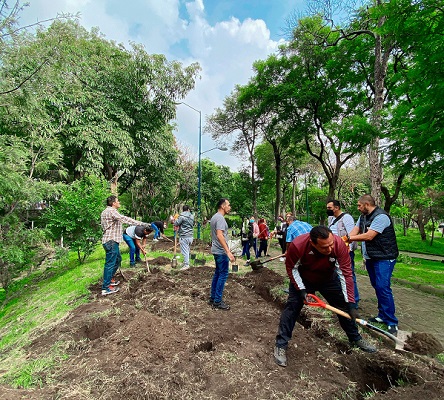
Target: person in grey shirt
pixel 185 223
pixel 221 253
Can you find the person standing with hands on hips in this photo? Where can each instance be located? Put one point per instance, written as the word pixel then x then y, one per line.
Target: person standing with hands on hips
pixel 221 253
pixel 379 248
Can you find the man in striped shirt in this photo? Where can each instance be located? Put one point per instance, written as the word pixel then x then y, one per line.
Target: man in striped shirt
pixel 111 222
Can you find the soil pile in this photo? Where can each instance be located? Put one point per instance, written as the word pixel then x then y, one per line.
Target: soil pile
pixel 159 339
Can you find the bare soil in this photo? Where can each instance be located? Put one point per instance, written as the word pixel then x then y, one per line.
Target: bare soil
pixel 159 339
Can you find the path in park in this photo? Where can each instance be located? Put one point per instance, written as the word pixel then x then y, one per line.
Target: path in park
pixel 424 256
pixel 416 311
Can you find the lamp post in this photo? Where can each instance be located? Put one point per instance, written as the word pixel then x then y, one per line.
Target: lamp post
pixel 199 170
pixel 306 199
pixel 199 185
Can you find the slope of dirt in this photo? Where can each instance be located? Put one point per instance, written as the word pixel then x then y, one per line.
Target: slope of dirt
pixel 159 339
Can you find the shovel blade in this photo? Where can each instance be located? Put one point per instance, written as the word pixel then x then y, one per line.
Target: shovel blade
pixel 402 336
pixel 255 265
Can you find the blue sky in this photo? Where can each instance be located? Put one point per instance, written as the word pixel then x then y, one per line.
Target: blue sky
pixel 224 36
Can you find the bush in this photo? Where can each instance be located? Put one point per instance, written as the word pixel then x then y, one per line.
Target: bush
pixel 76 215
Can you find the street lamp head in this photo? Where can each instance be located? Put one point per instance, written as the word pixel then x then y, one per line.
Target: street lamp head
pixel 215 148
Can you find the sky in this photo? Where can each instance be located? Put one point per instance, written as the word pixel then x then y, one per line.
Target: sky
pixel 224 36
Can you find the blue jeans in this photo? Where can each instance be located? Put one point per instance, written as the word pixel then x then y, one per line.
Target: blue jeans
pixel 332 291
pixel 134 250
pixel 156 231
pixel 380 273
pixel 355 283
pixel 112 262
pixel 220 277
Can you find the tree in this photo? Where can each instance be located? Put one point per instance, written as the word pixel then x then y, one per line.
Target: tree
pixel 75 216
pixel 234 119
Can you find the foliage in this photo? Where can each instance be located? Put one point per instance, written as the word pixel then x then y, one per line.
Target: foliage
pixel 76 215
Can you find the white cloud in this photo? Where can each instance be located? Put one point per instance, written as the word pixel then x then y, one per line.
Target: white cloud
pixel 225 50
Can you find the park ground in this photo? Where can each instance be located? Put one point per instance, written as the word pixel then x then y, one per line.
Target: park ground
pixel 159 339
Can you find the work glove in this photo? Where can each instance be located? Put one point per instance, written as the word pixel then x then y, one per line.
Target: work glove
pixel 303 295
pixel 353 311
pixel 346 240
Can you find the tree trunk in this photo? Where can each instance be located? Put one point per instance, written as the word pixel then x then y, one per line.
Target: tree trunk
pixel 278 162
pixel 380 72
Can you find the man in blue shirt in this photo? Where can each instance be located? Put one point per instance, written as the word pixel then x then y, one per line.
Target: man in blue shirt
pixel 379 248
pixel 296 228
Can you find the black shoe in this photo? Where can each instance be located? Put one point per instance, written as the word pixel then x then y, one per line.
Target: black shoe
pixel 393 329
pixel 210 301
pixel 140 262
pixel 221 306
pixel 364 346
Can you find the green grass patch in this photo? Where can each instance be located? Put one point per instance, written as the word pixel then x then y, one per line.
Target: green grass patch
pixel 414 270
pixel 412 242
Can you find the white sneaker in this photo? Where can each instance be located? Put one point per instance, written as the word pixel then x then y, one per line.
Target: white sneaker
pixel 184 268
pixel 155 240
pixel 282 259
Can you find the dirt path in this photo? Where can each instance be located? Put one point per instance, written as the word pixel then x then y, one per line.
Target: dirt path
pixel 416 311
pixel 423 256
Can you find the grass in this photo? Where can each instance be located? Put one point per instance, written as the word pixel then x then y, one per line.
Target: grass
pixel 414 270
pixel 412 242
pixel 37 302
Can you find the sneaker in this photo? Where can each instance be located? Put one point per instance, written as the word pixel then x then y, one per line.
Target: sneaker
pixel 221 306
pixel 140 262
pixel 282 259
pixel 247 263
pixel 393 329
pixel 184 268
pixel 114 282
pixel 280 356
pixel 376 320
pixel 109 290
pixel 210 301
pixel 155 240
pixel 364 346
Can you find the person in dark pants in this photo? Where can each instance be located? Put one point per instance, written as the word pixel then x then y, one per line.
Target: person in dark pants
pixel 263 237
pixel 221 253
pixel 318 261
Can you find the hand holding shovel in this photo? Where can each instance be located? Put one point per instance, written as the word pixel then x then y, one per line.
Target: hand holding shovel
pixel 314 301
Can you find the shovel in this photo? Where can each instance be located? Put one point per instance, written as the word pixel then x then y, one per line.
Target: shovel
pixel 174 260
pixel 147 266
pixel 315 301
pixel 258 264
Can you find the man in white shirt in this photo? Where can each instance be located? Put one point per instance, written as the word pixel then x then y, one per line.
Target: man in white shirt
pixel 341 224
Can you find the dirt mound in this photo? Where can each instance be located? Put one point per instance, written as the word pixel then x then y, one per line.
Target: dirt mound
pixel 159 339
pixel 424 343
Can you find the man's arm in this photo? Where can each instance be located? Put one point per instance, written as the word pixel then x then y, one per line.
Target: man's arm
pixel 344 264
pixel 137 242
pixel 221 238
pixel 363 237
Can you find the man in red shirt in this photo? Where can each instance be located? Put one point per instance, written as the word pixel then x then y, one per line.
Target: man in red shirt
pixel 318 261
